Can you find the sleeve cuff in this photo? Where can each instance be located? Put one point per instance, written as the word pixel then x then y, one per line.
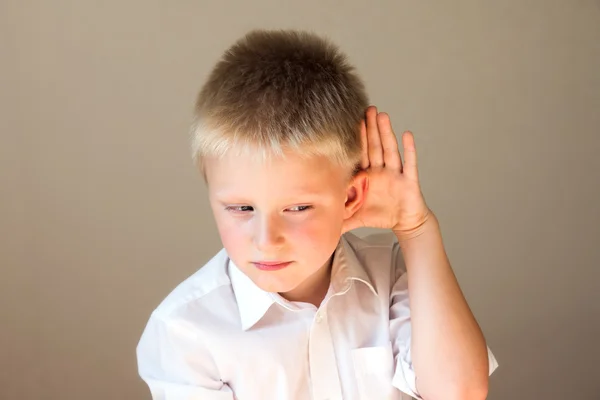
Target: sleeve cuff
pixel 492 362
pixel 170 391
pixel 405 379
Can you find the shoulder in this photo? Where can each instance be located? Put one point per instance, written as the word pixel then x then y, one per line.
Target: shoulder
pixel 200 306
pixel 379 240
pixel 208 285
pixel 379 255
pixel 374 247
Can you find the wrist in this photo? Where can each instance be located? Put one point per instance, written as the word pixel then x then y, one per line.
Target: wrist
pixel 426 222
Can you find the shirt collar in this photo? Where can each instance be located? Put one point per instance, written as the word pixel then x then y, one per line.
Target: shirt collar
pixel 347 267
pixel 253 302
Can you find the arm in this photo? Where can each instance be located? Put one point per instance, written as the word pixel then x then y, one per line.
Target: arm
pixel 175 365
pixel 448 349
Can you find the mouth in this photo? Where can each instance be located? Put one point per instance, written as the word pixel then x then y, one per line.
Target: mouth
pixel 271 265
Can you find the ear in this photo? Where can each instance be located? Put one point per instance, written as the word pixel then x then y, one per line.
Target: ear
pixel 356 193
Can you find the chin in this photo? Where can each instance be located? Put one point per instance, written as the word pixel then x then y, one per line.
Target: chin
pixel 269 285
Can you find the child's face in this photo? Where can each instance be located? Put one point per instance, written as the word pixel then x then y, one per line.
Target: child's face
pixel 287 210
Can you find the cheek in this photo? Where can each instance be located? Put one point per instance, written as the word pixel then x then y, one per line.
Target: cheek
pixel 231 238
pixel 232 235
pixel 321 230
pixel 302 233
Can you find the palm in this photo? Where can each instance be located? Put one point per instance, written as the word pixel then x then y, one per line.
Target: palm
pixel 393 197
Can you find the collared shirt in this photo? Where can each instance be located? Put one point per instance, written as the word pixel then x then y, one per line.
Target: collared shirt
pixel 218 336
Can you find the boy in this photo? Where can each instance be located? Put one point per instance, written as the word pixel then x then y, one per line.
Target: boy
pixel 295 306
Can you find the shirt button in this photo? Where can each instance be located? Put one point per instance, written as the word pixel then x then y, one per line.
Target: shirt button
pixel 319 318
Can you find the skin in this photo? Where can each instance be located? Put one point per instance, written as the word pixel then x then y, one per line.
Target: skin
pixel 290 209
pixel 448 348
pixel 257 208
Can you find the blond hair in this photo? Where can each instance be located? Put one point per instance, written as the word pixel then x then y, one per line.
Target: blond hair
pixel 280 90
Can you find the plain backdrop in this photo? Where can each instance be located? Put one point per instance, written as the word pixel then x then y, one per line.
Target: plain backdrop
pixel 102 212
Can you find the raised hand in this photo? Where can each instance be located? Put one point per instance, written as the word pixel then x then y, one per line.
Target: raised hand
pixel 393 197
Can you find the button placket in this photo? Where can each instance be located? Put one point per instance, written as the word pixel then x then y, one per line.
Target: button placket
pixel 319 317
pixel 323 364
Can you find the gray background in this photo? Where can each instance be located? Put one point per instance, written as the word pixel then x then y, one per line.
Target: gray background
pixel 102 212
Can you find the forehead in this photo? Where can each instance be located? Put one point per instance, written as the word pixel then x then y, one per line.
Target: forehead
pixel 287 175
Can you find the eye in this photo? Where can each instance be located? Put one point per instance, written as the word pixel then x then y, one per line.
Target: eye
pixel 299 208
pixel 239 209
pixel 247 209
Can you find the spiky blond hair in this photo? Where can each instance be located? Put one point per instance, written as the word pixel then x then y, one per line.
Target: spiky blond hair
pixel 277 91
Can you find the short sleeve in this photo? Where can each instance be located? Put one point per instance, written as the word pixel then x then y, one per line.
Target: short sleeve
pixel 174 364
pixel 404 378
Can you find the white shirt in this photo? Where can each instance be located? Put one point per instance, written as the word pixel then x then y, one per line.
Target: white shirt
pixel 218 336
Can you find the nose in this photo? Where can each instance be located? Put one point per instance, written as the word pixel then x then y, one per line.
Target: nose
pixel 268 235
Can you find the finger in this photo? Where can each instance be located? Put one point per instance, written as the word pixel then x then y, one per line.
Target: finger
pixel 364 146
pixel 389 143
pixel 373 139
pixel 410 156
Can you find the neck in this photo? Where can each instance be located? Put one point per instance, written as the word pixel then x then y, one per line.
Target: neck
pixel 314 289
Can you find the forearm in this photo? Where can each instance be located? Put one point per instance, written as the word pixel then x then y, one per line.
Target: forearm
pixel 448 348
